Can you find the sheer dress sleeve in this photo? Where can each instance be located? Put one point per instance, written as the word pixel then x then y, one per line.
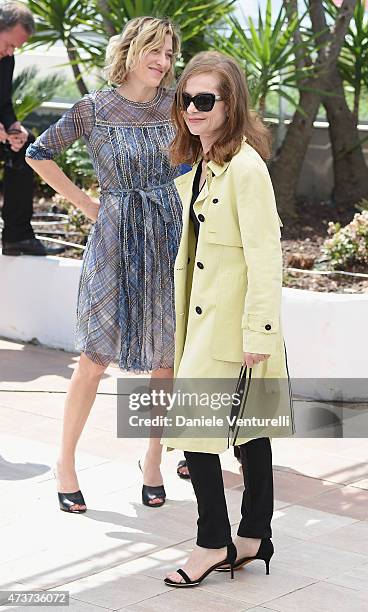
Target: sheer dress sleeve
pixel 75 123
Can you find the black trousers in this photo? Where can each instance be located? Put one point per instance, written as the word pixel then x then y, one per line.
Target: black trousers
pixel 257 503
pixel 18 194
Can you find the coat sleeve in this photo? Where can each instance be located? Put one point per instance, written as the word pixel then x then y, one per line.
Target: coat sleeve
pixel 75 123
pixel 260 232
pixel 7 114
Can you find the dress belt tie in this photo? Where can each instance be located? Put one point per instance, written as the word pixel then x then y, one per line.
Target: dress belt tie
pixel 147 195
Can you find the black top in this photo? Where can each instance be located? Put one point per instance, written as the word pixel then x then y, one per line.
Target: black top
pixel 195 194
pixel 7 115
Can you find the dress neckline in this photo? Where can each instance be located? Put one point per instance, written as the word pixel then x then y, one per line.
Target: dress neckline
pixel 154 100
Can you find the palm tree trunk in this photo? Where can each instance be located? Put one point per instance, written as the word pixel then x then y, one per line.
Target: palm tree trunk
pixel 262 105
pixel 350 169
pixel 103 7
pixel 286 166
pixel 288 161
pixel 73 58
pixel 357 92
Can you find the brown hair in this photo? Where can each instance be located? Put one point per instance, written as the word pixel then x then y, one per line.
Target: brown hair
pixel 241 120
pixel 140 36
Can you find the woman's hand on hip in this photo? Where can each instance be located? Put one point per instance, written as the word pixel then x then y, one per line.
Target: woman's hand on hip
pixel 53 175
pixel 251 359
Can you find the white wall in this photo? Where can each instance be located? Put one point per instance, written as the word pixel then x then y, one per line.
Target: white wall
pixel 326 334
pixel 48 61
pixel 38 299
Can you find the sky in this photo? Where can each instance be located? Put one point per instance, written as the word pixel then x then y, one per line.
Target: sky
pixel 250 7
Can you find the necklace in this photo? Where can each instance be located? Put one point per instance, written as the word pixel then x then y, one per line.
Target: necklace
pixel 143 102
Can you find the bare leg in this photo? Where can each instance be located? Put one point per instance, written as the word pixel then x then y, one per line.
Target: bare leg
pixel 151 466
pixel 79 401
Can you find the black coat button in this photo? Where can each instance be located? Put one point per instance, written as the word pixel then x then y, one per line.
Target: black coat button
pixel 198 310
pixel 215 201
pixel 200 265
pixel 201 218
pixel 188 259
pixel 268 327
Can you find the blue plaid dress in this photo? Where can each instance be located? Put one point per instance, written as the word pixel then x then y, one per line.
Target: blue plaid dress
pixel 125 308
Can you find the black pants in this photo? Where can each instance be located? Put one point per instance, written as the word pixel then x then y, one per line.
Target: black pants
pixel 18 194
pixel 257 503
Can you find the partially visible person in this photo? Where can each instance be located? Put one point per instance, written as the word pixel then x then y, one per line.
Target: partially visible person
pixel 16 27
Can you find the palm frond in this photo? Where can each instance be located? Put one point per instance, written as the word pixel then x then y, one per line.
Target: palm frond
pixel 30 90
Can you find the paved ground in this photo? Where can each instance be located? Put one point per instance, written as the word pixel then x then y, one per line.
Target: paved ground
pixel 115 556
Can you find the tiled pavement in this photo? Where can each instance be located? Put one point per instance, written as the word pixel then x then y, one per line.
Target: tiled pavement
pixel 115 556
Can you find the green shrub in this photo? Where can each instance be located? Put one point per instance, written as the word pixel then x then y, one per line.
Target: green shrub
pixel 77 165
pixel 29 90
pixel 348 246
pixel 363 205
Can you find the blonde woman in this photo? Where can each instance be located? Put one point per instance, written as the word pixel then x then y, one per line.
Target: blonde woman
pixel 125 303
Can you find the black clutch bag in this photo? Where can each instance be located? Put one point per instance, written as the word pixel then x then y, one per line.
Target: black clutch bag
pixel 239 403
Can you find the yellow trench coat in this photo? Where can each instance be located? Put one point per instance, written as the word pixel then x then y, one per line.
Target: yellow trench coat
pixel 228 291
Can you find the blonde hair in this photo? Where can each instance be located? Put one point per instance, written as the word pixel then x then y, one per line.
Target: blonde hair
pixel 139 37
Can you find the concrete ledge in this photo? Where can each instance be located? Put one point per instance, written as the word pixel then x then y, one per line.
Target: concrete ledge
pixel 326 334
pixel 38 299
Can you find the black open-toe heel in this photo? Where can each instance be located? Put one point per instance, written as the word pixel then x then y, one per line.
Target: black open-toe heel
pixel 237 454
pixel 181 464
pixel 150 493
pixel 264 553
pixel 230 559
pixel 68 500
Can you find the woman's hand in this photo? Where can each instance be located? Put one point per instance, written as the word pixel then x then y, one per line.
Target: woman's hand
pixel 17 136
pixel 91 209
pixel 3 134
pixel 251 359
pixel 55 177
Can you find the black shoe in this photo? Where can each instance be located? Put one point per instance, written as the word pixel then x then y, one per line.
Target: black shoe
pixel 237 454
pixel 230 559
pixel 151 493
pixel 265 553
pixel 68 500
pixel 32 246
pixel 181 464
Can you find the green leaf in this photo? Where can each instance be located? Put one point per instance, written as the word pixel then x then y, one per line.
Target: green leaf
pixel 30 90
pixel 267 50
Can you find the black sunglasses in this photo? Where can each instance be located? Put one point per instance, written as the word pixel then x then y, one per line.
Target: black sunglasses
pixel 203 101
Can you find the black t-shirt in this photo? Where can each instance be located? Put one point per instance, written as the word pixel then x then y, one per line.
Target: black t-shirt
pixel 7 115
pixel 195 194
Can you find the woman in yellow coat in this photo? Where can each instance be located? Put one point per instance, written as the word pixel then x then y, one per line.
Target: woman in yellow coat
pixel 228 281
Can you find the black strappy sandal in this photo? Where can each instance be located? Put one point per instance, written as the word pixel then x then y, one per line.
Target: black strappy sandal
pixel 265 552
pixel 230 559
pixel 181 464
pixel 151 493
pixel 68 500
pixel 237 454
